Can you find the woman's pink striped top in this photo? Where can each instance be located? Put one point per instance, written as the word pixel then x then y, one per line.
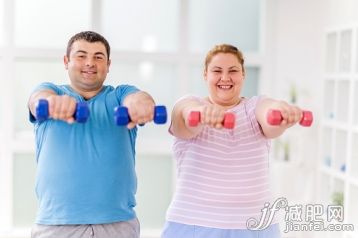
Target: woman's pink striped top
pixel 222 174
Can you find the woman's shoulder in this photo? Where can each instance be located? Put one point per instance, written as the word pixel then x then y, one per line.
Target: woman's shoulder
pixel 190 97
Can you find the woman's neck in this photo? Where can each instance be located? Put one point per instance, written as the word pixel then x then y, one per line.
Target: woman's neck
pixel 225 106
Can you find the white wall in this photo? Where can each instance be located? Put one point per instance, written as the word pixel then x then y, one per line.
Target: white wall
pixel 341 12
pixel 294 54
pixel 294 46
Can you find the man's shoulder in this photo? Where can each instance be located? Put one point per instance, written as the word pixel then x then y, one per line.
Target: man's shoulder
pixel 124 89
pixel 50 86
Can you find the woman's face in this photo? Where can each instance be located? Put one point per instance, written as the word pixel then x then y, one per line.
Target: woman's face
pixel 224 76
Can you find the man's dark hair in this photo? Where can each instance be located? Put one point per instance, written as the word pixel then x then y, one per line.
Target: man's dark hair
pixel 88 36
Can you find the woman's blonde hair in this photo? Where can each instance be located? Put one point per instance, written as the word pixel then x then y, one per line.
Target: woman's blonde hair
pixel 224 48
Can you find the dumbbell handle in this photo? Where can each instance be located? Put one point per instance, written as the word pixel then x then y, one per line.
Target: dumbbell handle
pixel 274 118
pixel 81 114
pixel 228 122
pixel 121 115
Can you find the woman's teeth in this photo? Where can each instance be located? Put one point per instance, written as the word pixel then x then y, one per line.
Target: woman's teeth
pixel 225 86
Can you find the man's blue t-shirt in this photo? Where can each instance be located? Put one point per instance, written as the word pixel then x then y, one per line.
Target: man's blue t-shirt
pixel 86 171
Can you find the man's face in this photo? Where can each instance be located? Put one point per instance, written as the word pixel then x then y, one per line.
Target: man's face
pixel 87 65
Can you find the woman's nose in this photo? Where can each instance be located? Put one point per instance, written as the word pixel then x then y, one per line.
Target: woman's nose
pixel 225 77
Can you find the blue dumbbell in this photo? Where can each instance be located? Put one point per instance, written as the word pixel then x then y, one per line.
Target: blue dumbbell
pixel 81 115
pixel 121 116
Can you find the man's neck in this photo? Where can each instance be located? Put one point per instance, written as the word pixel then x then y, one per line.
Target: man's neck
pixel 87 94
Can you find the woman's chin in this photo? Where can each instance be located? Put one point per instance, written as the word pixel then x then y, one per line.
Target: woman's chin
pixel 226 102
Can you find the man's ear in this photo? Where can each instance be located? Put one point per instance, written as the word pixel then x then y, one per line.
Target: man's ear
pixel 108 64
pixel 65 61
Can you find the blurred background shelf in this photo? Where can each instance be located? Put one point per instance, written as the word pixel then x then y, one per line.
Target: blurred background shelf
pixel 339 139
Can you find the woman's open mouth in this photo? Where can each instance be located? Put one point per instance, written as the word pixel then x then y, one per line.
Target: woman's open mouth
pixel 225 87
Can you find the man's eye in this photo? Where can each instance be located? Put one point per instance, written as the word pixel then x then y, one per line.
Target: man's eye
pixel 99 57
pixel 216 71
pixel 81 56
pixel 233 71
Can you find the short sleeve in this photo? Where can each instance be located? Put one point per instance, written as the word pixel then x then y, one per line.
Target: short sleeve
pixel 123 91
pixel 44 86
pixel 250 108
pixel 178 101
pixel 48 85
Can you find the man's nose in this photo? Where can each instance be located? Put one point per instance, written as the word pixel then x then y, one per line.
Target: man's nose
pixel 89 62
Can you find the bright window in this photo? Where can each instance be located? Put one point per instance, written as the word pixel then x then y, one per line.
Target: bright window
pixel 49 23
pixel 28 74
pixel 24 198
pixel 159 79
pixel 214 22
pixel 141 25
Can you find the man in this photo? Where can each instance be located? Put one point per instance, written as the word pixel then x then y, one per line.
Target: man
pixel 86 181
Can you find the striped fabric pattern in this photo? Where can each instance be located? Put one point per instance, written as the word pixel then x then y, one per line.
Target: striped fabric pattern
pixel 222 175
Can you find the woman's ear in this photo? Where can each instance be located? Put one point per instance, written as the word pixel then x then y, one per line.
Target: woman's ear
pixel 205 75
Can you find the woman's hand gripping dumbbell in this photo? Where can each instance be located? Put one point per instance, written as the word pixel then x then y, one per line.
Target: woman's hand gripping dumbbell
pixel 227 122
pixel 274 118
pixel 122 117
pixel 80 114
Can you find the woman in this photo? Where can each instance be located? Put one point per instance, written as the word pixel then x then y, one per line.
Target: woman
pixel 223 174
